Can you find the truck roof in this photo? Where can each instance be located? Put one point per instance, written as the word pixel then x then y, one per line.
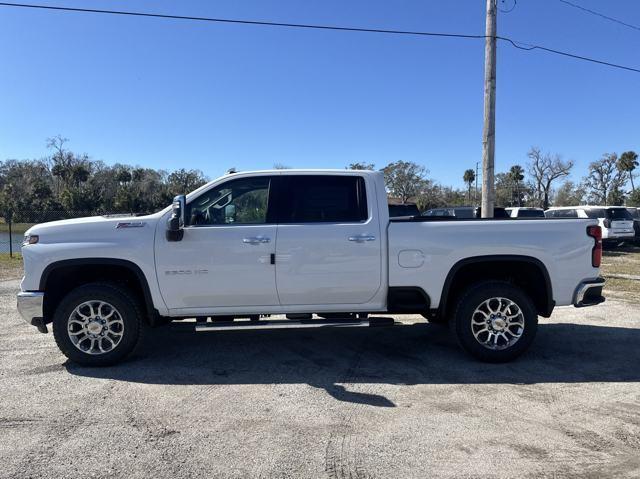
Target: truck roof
pixel 307 170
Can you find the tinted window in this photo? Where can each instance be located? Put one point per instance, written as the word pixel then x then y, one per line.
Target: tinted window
pixel 595 213
pixel 634 213
pixel 323 198
pixel 241 201
pixel 499 213
pixel 440 212
pixel 530 214
pixel 403 210
pixel 565 214
pixel 619 214
pixel 464 213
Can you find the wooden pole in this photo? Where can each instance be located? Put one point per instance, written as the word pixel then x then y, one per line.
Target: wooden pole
pixel 489 129
pixel 10 238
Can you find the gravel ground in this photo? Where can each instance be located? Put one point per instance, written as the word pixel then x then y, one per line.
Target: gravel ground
pixel 348 403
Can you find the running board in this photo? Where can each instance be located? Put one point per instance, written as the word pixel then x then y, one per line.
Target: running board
pixel 295 324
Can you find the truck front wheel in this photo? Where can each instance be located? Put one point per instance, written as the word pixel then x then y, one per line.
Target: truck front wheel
pixel 495 321
pixel 97 324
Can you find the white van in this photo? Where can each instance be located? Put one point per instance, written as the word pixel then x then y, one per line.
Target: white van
pixel 525 212
pixel 616 222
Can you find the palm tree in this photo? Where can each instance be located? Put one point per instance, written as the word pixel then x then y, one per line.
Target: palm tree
pixel 628 162
pixel 516 174
pixel 469 177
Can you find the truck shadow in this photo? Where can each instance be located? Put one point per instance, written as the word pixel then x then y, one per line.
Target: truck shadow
pixel 334 359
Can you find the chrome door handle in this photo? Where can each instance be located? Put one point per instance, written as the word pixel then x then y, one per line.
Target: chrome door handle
pixel 362 238
pixel 256 240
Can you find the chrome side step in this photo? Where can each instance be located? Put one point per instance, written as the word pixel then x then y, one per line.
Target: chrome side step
pixel 295 324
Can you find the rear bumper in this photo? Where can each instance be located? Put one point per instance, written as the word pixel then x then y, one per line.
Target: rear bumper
pixel 30 307
pixel 615 235
pixel 589 293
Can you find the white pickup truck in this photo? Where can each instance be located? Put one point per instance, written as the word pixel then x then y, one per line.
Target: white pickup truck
pixel 297 243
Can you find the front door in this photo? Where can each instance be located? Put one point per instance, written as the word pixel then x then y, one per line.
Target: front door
pixel 329 248
pixel 224 258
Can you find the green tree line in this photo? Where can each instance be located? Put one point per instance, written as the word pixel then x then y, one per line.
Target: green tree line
pixel 66 184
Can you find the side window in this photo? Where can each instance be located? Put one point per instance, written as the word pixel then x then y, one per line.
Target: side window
pixel 595 213
pixel 571 214
pixel 241 201
pixel 323 199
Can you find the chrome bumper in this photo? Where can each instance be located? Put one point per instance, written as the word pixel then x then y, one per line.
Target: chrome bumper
pixel 30 308
pixel 589 293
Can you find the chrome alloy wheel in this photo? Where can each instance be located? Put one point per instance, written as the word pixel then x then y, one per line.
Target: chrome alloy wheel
pixel 497 323
pixel 95 327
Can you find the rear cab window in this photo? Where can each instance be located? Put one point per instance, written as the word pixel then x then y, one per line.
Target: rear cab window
pixel 322 199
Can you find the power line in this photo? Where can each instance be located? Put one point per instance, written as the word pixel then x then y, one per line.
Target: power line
pixel 593 12
pixel 516 44
pixel 242 22
pixel 529 47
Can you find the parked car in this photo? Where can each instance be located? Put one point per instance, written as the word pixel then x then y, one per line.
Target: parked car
pixel 525 212
pixel 299 242
pixel 635 214
pixel 465 212
pixel 407 209
pixel 616 222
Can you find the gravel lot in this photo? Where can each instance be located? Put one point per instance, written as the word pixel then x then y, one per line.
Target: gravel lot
pixel 394 402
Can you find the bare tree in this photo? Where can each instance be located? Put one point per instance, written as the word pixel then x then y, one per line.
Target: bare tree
pixel 605 180
pixel 545 169
pixel 570 194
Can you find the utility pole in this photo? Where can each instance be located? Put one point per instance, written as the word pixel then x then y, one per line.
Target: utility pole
pixel 475 195
pixel 489 129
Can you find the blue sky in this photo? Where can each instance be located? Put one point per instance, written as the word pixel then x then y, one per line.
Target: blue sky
pixel 169 94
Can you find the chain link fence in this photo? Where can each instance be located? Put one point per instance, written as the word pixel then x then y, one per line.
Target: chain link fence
pixel 14 224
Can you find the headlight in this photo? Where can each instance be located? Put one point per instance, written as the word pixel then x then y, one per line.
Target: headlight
pixel 30 239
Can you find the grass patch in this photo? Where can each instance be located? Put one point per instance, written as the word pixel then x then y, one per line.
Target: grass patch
pixel 10 268
pixel 15 227
pixel 630 267
pixel 622 260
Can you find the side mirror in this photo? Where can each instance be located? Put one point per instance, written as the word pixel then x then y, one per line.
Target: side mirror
pixel 175 225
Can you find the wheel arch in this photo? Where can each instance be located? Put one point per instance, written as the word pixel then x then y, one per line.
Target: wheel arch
pixel 527 272
pixel 60 277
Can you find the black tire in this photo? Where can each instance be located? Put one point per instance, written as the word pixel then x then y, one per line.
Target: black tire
pixel 127 307
pixel 474 297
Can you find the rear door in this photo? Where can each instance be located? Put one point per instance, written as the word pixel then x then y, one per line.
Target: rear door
pixel 328 249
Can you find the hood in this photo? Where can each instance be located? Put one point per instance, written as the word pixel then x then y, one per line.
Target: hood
pixel 92 228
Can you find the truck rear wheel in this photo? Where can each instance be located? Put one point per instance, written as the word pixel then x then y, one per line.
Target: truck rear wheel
pixel 494 321
pixel 97 324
